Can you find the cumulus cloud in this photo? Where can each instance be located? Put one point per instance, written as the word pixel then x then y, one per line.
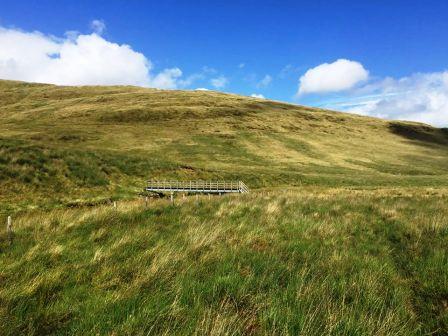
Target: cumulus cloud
pixel 332 77
pixel 257 95
pixel 219 82
pixel 98 26
pixel 167 78
pixel 420 97
pixel 264 82
pixel 77 59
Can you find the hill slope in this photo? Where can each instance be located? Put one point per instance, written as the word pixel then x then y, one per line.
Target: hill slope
pixel 356 245
pixel 65 143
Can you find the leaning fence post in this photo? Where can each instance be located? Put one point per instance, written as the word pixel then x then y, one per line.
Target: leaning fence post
pixel 9 229
pixel 115 204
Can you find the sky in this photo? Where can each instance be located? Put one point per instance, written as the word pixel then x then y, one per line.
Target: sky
pixel 387 59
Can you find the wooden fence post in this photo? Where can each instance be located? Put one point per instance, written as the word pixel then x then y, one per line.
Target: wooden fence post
pixel 146 201
pixel 9 229
pixel 115 204
pixel 172 198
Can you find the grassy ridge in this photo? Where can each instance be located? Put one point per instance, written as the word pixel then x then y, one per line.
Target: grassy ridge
pixel 322 262
pixel 85 142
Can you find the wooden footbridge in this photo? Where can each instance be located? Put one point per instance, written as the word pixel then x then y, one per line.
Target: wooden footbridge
pixel 207 187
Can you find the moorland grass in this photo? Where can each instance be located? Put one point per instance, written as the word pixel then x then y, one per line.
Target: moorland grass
pixel 324 261
pixel 64 144
pixel 356 245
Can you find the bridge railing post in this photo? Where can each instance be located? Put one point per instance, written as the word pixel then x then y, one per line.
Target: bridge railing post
pixel 207 186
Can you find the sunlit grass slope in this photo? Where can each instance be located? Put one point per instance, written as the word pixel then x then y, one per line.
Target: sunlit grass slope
pixel 61 145
pixel 312 262
pixel 357 245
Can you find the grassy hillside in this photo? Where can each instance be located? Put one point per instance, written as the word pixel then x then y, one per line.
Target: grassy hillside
pixel 331 262
pixel 345 231
pixel 66 144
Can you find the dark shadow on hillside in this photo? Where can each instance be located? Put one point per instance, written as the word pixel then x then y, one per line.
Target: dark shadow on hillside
pixel 427 134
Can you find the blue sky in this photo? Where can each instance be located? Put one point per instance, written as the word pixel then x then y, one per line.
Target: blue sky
pixel 393 54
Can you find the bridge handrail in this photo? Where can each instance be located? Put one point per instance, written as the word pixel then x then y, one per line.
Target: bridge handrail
pixel 198 185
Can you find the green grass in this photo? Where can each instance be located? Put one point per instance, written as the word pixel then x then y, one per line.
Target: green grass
pixel 65 144
pixel 357 245
pixel 322 262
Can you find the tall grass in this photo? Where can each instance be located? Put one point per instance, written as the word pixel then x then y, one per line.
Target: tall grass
pixel 329 261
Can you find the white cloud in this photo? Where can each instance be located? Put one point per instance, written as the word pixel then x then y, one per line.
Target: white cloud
pixel 77 60
pixel 264 82
pixel 219 82
pixel 71 34
pixel 166 79
pixel 241 65
pixel 256 95
pixel 201 89
pixel 420 97
pixel 332 77
pixel 98 26
pixel 183 83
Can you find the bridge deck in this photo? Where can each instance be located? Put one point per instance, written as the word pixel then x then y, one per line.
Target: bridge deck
pixel 208 187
